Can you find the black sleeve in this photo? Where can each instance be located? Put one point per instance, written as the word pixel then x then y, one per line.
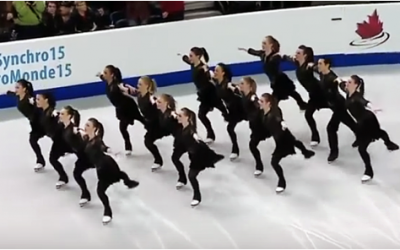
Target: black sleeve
pixel 254 52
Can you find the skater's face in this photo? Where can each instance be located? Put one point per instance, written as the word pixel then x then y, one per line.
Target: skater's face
pixel 265 45
pixel 244 86
pixel 89 128
pixel 322 66
pixel 182 118
pixel 64 116
pixel 193 57
pixel 161 103
pixel 351 85
pixel 299 56
pixel 218 72
pixel 40 101
pixel 264 104
pixel 19 89
pixel 107 74
pixel 142 86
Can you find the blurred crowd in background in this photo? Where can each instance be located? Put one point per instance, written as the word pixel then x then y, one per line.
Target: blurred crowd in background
pixel 20 20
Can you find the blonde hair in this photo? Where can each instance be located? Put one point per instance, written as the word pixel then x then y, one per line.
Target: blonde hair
pixel 151 84
pixel 253 85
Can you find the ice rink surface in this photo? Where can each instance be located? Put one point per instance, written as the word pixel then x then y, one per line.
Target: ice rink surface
pixel 324 206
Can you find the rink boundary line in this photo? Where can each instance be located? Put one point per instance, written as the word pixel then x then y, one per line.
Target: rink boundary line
pixel 82 90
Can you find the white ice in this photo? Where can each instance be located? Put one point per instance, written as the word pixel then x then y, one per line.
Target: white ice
pixel 324 206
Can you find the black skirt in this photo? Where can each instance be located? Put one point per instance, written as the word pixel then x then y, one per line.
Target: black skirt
pixel 317 101
pixel 284 145
pixel 258 131
pixel 208 96
pixel 282 87
pixel 37 130
pixel 202 157
pixel 108 170
pixel 236 113
pixel 128 113
pixel 368 129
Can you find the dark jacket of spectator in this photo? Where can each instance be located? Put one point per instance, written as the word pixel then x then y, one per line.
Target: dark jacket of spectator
pixel 64 22
pixel 85 18
pixel 139 11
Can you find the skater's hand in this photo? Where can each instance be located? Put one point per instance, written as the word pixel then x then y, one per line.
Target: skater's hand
pixel 284 126
pixel 32 100
pixel 98 74
pixel 75 130
pixel 242 49
pixel 55 113
pixel 310 65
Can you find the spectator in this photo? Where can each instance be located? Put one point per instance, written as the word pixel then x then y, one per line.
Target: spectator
pixel 28 19
pixel 49 19
pixel 173 10
pixel 103 19
pixel 65 24
pixel 6 22
pixel 85 19
pixel 137 12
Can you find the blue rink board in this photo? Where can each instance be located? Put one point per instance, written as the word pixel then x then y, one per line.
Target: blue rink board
pixel 79 90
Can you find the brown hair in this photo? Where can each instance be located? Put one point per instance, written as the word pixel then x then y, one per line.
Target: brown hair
pixel 191 117
pixel 275 44
pixel 269 98
pixel 253 85
pixel 151 84
pixel 171 103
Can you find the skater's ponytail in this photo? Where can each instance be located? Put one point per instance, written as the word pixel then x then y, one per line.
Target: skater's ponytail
pixel 98 127
pixel 117 75
pixel 191 118
pixel 359 82
pixel 308 52
pixel 170 100
pixel 150 83
pixel 48 96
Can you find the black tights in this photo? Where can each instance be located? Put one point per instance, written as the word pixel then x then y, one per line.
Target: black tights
pixel 33 141
pixel 231 132
pixel 58 149
pixel 176 156
pixel 297 97
pixel 204 109
pixel 195 183
pixel 81 165
pixel 149 139
pixel 253 145
pixel 339 116
pixel 362 149
pixel 275 160
pixel 123 128
pixel 102 187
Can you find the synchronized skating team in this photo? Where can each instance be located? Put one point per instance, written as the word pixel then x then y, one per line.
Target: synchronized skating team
pixel 236 102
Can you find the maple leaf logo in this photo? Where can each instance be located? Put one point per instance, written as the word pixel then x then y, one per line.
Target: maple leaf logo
pixel 370 28
pixel 371 32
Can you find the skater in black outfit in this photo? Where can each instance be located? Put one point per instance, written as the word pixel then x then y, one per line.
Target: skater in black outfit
pixel 231 97
pixel 146 87
pixel 251 107
pixel 108 171
pixel 285 142
pixel 368 127
pixel 337 103
pixel 26 104
pixel 206 91
pixel 126 109
pixel 305 75
pixel 170 126
pixel 49 121
pixel 70 118
pixel 281 84
pixel 200 155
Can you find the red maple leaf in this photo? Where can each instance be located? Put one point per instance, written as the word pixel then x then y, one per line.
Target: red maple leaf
pixel 371 28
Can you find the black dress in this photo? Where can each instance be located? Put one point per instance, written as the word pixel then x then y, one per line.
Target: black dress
pixel 200 155
pixel 284 139
pixel 126 108
pixel 281 84
pixel 107 168
pixel 232 100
